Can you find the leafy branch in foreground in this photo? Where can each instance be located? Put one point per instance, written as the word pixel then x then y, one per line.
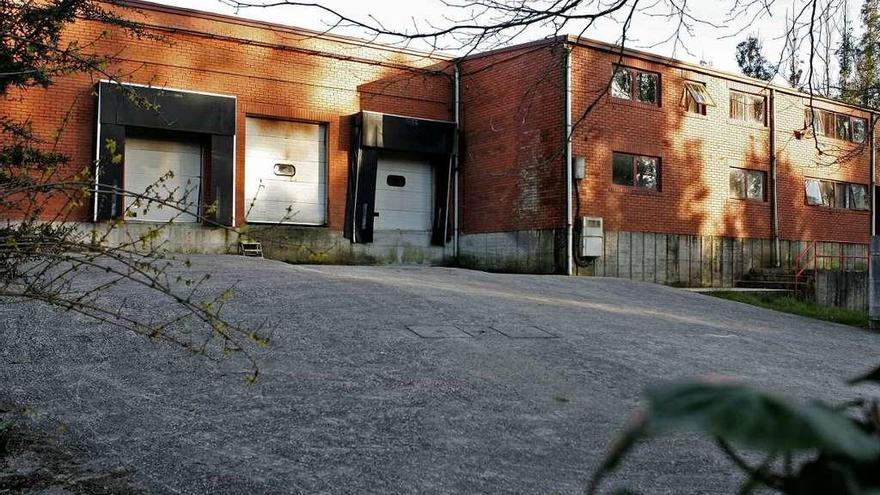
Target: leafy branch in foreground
pixel 47 255
pixel 803 449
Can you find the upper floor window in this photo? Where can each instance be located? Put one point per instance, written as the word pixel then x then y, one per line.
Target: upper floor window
pixel 636 171
pixel 748 107
pixel 747 184
pixel 836 194
pixel 696 97
pixel 836 125
pixel 637 85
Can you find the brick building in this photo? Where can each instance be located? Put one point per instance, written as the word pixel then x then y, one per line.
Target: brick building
pixel 558 156
pixel 670 165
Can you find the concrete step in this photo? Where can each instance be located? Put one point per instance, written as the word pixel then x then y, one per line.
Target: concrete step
pixel 771 271
pixel 768 284
pixel 773 278
pixel 772 292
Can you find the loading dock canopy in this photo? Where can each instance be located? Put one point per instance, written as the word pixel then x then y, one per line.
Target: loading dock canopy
pixel 172 112
pixel 432 141
pixel 398 133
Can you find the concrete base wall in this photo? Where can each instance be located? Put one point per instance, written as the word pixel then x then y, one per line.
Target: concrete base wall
pixel 843 289
pixel 704 261
pixel 188 238
pixel 285 243
pixel 321 245
pixel 526 251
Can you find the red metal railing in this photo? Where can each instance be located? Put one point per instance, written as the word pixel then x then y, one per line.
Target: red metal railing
pixel 805 262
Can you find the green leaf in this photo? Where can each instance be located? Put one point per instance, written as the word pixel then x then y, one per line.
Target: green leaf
pixel 749 418
pixel 871 376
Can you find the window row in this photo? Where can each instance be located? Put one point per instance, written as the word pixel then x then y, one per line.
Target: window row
pixel 644 172
pixel 834 194
pixel 643 86
pixel 836 125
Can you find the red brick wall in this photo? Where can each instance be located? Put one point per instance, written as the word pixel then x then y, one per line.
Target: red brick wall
pixel 512 102
pixel 697 153
pixel 273 72
pixel 512 170
pixel 799 159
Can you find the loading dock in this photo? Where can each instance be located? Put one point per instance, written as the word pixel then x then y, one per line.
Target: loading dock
pixel 285 172
pixel 164 127
pixel 404 193
pixel 167 170
pixel 390 151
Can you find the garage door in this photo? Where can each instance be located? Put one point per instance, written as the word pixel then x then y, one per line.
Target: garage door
pixel 404 194
pixel 148 160
pixel 285 172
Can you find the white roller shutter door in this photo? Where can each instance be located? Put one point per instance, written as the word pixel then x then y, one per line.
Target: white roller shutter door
pixel 404 194
pixel 147 166
pixel 285 172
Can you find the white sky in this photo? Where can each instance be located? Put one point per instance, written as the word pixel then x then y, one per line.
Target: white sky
pixel 715 45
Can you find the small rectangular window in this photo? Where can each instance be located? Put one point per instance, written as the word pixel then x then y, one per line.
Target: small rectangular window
pixel 636 171
pixel 840 194
pixel 859 130
pixel 737 106
pixel 647 170
pixel 828 123
pixel 623 169
pixel 632 84
pixel 857 199
pixel 621 85
pixel 827 190
pixel 821 120
pixel 813 192
pixel 697 98
pixel 843 128
pixel 831 194
pixel 815 121
pixel 747 184
pixel 748 108
pixel 647 84
pixel 755 185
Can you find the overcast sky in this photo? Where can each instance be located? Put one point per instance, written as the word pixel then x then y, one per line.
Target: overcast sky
pixel 715 45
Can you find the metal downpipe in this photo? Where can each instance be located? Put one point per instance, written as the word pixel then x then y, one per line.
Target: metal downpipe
pixel 569 246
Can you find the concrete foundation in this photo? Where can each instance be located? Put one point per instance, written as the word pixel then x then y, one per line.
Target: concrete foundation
pixel 525 251
pixel 842 289
pixel 705 261
pixel 187 238
pixel 319 245
pixel 293 244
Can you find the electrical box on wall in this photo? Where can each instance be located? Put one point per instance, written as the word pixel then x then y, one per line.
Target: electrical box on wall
pixel 580 167
pixel 592 236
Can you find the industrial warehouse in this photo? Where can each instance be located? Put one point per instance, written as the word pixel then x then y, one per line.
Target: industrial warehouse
pixel 563 155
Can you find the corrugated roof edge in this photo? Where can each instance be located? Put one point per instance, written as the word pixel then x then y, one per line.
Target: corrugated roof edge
pixel 308 33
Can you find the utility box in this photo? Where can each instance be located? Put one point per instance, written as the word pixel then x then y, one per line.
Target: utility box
pixel 580 168
pixel 592 235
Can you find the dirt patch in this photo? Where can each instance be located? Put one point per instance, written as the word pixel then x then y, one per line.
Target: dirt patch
pixel 36 458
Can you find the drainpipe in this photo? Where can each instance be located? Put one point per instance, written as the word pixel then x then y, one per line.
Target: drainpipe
pixel 569 246
pixel 774 200
pixel 457 110
pixel 873 295
pixel 872 164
